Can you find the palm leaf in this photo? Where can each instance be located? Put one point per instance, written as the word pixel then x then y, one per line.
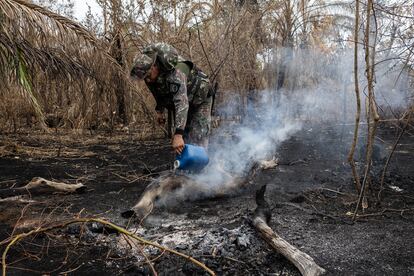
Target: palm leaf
pixel 33 38
pixel 43 19
pixel 23 77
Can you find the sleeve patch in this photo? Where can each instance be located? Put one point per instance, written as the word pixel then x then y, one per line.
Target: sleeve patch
pixel 174 87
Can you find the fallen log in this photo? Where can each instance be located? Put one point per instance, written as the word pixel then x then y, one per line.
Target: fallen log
pixel 40 185
pixel 301 260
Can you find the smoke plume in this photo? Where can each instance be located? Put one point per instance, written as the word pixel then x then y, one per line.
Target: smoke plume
pixel 318 88
pixel 318 91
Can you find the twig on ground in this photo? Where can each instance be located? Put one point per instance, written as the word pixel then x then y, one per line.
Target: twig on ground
pixel 122 177
pixel 154 272
pixel 142 177
pixel 159 256
pixel 17 199
pixel 71 270
pixel 401 211
pixel 20 217
pixel 8 181
pixel 310 212
pixel 223 257
pixel 334 191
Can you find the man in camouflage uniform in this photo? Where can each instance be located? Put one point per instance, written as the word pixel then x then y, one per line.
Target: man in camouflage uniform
pixel 177 85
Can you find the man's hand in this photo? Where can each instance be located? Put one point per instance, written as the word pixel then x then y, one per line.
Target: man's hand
pixel 178 143
pixel 160 118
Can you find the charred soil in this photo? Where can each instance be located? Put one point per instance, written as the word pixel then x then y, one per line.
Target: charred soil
pixel 311 194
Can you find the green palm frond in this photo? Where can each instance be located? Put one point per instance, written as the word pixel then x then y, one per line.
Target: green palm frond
pixel 23 78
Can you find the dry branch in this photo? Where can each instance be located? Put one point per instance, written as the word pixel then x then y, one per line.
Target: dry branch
pixel 301 260
pixel 40 185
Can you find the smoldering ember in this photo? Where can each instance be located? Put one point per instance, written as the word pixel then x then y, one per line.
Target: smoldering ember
pixel 206 138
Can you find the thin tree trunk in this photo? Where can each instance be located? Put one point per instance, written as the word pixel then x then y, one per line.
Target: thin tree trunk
pixel 373 117
pixel 358 102
pixel 120 88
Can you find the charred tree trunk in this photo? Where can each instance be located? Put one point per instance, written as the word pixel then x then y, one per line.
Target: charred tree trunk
pixel 301 260
pixel 120 87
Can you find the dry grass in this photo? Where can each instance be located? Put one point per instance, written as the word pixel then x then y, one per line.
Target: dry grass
pixel 79 79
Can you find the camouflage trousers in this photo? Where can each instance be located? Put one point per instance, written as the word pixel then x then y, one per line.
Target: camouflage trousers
pixel 198 124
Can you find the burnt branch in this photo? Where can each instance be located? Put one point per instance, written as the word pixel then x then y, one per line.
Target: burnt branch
pixel 301 260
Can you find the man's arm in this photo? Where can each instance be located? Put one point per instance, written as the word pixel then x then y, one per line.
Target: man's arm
pixel 179 89
pixel 159 108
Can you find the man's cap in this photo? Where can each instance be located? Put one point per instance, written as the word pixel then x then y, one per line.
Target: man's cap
pixel 142 64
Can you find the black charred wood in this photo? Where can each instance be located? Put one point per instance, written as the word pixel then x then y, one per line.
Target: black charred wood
pixel 263 208
pixel 128 214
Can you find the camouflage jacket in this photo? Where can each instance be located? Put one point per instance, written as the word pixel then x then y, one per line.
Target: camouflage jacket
pixel 173 89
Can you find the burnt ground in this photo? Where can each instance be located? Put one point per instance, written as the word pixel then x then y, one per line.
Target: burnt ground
pixel 311 194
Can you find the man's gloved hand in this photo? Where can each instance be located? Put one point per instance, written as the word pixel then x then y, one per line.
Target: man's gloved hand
pixel 178 143
pixel 160 118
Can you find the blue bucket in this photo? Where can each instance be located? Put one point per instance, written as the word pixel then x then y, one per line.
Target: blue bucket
pixel 192 158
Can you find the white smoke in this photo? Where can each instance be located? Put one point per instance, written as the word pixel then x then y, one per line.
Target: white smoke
pixel 238 147
pixel 320 88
